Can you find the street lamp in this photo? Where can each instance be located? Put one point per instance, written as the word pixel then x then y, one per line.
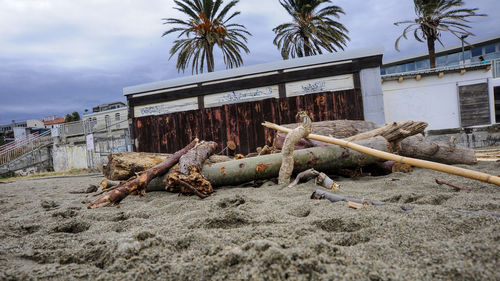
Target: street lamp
pixel 463 52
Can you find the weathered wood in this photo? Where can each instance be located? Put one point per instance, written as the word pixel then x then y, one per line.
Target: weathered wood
pixel 321 179
pixel 418 147
pixel 127 164
pixel 321 194
pixel 188 179
pixel 407 160
pixel 139 183
pixel 267 166
pixel 338 128
pixel 393 132
pixel 123 165
pixel 291 139
pixel 415 146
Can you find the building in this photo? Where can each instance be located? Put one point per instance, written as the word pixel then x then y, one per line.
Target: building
pixel 109 116
pixel 488 48
pixel 454 98
pixel 230 105
pixel 53 123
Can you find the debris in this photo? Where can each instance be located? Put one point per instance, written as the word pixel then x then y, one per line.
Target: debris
pixel 321 179
pixel 188 179
pixel 440 182
pixel 321 194
pixel 389 156
pixel 291 139
pixel 354 205
pixel 141 181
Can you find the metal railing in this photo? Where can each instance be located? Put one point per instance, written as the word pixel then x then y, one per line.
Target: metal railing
pixel 14 150
pixel 495 68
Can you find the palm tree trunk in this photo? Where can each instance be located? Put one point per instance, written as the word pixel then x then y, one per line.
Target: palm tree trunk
pixel 210 58
pixel 432 52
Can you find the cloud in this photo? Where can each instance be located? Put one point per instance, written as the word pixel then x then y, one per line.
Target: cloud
pixel 64 56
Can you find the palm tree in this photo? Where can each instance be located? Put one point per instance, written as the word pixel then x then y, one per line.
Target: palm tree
pixel 206 27
pixel 435 17
pixel 312 30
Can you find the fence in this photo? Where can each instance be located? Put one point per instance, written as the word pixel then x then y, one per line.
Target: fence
pixel 18 148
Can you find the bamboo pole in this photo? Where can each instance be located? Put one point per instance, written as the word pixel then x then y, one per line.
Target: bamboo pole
pixel 397 158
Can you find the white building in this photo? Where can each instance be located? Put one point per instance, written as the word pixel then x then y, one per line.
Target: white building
pixel 112 116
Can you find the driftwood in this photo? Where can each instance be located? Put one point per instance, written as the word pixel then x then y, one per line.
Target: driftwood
pixel 323 159
pixel 415 146
pixel 321 194
pixel 123 165
pixel 141 181
pixel 397 158
pixel 321 179
pixel 106 184
pixel 291 139
pixel 338 128
pixel 244 170
pixel 189 180
pixel 440 182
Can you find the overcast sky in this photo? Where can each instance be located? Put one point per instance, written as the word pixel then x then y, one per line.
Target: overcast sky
pixel 60 56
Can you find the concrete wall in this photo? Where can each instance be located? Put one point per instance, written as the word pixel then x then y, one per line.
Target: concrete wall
pixel 67 157
pixel 432 99
pixel 373 97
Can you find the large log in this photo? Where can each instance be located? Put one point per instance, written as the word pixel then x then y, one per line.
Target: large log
pixel 325 159
pixel 418 147
pixel 141 181
pixel 124 165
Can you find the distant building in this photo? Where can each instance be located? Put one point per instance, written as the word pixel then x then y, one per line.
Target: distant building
pixel 109 116
pixel 54 123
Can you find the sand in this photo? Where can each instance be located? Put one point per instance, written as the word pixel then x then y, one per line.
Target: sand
pixel 265 233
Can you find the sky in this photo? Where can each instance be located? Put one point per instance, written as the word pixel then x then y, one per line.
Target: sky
pixel 61 56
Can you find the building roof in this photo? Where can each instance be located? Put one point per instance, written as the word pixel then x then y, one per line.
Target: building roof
pixel 318 60
pixel 55 121
pixel 483 41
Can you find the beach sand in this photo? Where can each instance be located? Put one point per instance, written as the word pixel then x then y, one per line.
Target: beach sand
pixel 267 233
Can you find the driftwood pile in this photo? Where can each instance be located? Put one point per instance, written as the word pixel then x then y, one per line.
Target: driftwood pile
pixel 195 170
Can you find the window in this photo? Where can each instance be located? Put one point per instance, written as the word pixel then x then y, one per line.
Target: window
pixel 382 71
pixel 476 52
pixel 453 59
pixel 390 70
pixel 489 49
pixel 441 61
pixel 422 64
pixel 400 68
pixel 410 66
pixel 117 116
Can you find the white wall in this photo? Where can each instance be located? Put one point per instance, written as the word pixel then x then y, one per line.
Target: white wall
pixel 371 90
pixel 33 123
pixel 432 99
pixel 67 157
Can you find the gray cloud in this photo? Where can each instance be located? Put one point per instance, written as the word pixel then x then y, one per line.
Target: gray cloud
pixel 59 56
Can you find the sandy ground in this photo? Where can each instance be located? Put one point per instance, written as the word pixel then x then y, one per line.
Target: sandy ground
pixel 265 233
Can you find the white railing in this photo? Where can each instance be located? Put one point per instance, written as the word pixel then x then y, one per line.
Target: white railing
pixel 18 148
